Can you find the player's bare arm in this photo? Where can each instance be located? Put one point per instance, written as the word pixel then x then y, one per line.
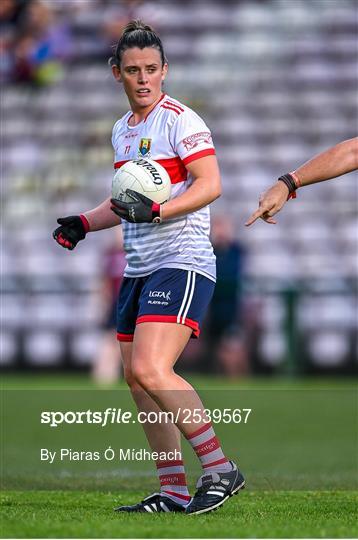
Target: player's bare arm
pixel 72 229
pixel 204 190
pixel 102 217
pixel 338 160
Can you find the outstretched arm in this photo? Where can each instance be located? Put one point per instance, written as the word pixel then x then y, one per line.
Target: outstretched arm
pixel 72 229
pixel 102 217
pixel 335 161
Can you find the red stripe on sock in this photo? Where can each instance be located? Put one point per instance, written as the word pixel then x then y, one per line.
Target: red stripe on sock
pixel 207 447
pixel 199 431
pixel 177 463
pixel 214 463
pixel 177 479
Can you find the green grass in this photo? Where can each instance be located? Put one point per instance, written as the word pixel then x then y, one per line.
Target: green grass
pixel 61 514
pixel 80 381
pixel 298 453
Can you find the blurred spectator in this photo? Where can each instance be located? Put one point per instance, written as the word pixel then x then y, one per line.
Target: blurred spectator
pixel 106 366
pixel 116 17
pixel 43 43
pixel 232 355
pixel 229 260
pixel 11 16
pixel 224 311
pixel 12 13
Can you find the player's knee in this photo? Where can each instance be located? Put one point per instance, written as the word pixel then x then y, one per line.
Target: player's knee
pixel 146 373
pixel 128 376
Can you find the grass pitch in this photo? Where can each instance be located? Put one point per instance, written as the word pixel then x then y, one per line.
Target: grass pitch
pixel 78 514
pixel 296 488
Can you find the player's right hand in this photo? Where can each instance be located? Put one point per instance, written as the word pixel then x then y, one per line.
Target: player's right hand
pixel 270 202
pixel 72 229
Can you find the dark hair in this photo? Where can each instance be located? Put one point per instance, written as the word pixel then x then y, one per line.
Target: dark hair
pixel 136 34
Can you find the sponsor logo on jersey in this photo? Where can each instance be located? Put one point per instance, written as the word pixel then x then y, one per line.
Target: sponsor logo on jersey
pixel 161 297
pixel 157 179
pixel 144 147
pixel 198 138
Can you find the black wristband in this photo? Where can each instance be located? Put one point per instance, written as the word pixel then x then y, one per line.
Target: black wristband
pixel 289 181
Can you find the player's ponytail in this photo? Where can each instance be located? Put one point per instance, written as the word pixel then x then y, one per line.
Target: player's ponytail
pixel 136 34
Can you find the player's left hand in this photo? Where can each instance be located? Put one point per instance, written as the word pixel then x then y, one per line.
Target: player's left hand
pixel 270 202
pixel 139 210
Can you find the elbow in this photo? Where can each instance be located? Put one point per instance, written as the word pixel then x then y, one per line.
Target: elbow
pixel 217 191
pixel 214 194
pixel 350 154
pixel 354 154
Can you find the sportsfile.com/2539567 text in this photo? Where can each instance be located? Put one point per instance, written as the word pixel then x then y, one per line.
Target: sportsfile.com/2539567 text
pixel 112 415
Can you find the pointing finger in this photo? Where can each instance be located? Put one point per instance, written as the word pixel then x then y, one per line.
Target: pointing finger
pixel 258 213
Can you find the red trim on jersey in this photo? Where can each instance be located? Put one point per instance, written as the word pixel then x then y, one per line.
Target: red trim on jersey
pixel 170 319
pixel 174 167
pixel 124 337
pixel 168 102
pixel 214 463
pixel 171 108
pixel 118 164
pixel 145 118
pixel 169 163
pixel 198 155
pixel 174 463
pixel 161 98
pixel 200 430
pixel 179 495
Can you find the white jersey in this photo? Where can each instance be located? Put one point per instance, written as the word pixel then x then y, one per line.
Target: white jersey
pixel 173 135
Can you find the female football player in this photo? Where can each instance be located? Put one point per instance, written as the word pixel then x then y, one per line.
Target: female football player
pixel 170 274
pixel 338 160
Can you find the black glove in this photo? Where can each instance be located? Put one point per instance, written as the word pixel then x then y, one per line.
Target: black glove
pixel 140 210
pixel 72 229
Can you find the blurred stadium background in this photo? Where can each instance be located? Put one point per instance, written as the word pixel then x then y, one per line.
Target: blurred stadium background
pixel 276 81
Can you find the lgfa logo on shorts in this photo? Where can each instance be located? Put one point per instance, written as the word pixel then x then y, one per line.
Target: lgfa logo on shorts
pixel 160 294
pixel 144 147
pixel 161 297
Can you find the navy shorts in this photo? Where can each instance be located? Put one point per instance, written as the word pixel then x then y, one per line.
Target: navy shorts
pixel 167 295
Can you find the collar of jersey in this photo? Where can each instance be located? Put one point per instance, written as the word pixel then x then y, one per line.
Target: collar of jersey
pixel 144 119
